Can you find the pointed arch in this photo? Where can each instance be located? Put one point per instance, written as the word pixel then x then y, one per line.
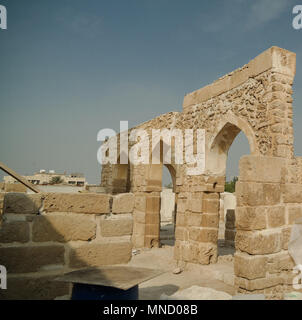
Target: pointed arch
pixel 223 137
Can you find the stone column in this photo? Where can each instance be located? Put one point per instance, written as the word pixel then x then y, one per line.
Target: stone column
pixel 230 228
pixel 197 219
pixel 261 260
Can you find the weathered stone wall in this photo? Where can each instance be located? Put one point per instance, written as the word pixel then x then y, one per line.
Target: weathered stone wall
pixel 197 222
pixel 45 235
pixel 230 227
pixel 255 99
pixel 267 207
pixel 14 187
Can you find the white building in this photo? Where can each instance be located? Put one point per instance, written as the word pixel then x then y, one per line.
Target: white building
pixel 47 178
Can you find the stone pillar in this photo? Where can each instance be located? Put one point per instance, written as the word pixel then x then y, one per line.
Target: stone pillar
pixel 230 228
pixel 152 218
pixel 262 262
pixel 197 219
pixel 146 185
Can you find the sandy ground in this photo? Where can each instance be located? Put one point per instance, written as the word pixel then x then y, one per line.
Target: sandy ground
pixel 214 276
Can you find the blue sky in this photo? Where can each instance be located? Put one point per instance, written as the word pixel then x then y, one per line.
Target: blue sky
pixel 72 67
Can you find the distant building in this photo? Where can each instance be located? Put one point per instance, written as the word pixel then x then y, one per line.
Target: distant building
pixel 47 178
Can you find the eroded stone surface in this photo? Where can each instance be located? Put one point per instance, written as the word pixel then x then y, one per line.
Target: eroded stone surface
pixel 78 203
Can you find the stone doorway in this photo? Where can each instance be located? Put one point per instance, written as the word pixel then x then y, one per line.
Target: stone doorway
pixel 227 204
pixel 167 209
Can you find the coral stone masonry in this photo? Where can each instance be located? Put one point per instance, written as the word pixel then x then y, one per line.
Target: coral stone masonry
pixel 45 235
pixel 257 100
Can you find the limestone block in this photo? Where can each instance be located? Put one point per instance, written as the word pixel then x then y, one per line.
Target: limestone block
pixel 139 216
pixel 181 205
pixel 249 267
pixel 239 77
pixel 138 229
pixel 152 218
pixel 181 219
pixel 151 241
pixel 261 169
pixel 152 229
pixel 275 216
pixel 259 284
pixel 204 253
pixel 259 242
pixel 193 219
pixel 210 206
pixel 14 231
pixel 292 193
pixel 140 202
pixel 123 203
pixel 271 194
pixel 220 86
pixel 153 204
pixel 257 194
pixel 286 231
pixel 63 227
pixel 22 203
pixel 98 254
pixel 279 262
pixel 138 241
pixel 34 288
pixel 250 218
pixel 261 63
pixel 249 194
pixel 210 196
pixel 209 220
pixel 181 233
pixel 95 203
pixel 15 187
pixel 196 204
pixel 116 226
pixel 31 258
pixel 283 61
pixel 200 95
pixel 294 213
pixel 203 234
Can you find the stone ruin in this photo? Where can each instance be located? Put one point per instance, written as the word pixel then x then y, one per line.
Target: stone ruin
pixel 257 100
pixel 62 232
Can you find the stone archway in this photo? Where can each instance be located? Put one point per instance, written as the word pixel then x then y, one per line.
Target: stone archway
pixel 153 174
pixel 226 132
pixel 256 99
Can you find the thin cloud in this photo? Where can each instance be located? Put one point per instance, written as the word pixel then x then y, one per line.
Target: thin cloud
pixel 239 16
pixel 81 23
pixel 264 11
